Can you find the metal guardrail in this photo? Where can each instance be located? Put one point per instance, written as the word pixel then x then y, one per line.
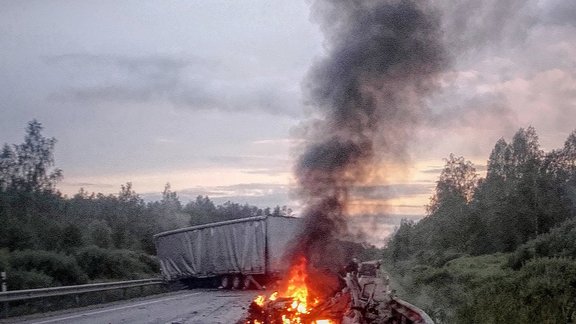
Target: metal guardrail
pixel 411 313
pixel 26 294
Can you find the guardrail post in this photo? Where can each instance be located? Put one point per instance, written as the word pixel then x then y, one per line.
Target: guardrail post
pixel 4 288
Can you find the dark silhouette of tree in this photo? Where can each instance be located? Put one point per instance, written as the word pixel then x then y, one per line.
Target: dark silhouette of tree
pixel 29 166
pixel 170 199
pixel 29 202
pixel 7 167
pixel 167 212
pixel 201 211
pixel 100 234
pixel 405 241
pixel 281 211
pixel 525 193
pixel 499 165
pixel 458 180
pixel 448 210
pixel 71 238
pixel 508 200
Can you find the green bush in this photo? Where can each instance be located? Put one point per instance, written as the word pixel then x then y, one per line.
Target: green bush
pixel 437 258
pixel 559 242
pixel 71 238
pixel 20 279
pixel 543 291
pixel 100 234
pixel 61 267
pixel 101 263
pixel 17 236
pixel 151 262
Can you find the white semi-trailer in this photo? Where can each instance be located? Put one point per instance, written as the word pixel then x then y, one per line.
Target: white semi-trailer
pixel 235 254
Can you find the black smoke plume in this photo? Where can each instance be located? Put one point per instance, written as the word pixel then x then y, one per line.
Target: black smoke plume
pixel 383 59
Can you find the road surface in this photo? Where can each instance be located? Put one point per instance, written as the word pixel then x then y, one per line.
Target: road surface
pixel 198 306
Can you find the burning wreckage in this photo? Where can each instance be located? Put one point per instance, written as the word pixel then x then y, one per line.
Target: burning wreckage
pixel 247 253
pixel 364 297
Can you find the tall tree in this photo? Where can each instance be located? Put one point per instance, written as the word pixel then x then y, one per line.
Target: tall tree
pixel 526 158
pixel 458 180
pixel 448 210
pixel 129 222
pixel 7 167
pixel 499 161
pixel 201 210
pixel 167 213
pixel 34 169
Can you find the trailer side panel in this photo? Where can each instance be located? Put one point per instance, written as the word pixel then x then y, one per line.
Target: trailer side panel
pixel 213 250
pixel 281 233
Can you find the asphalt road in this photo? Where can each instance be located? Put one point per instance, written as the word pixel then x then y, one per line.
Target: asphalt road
pixel 188 306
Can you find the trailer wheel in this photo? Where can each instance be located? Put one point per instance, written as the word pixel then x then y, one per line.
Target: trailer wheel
pixel 224 282
pixel 246 282
pixel 236 282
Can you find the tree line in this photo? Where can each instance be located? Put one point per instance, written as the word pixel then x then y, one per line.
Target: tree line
pixel 497 249
pixel 114 230
pixel 525 193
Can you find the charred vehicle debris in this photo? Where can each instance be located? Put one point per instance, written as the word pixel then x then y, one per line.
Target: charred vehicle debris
pixel 365 297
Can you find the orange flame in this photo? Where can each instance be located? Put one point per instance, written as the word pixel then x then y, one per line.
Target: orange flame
pixel 296 289
pixel 260 300
pixel 274 296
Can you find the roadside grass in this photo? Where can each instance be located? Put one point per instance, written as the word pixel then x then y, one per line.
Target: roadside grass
pixel 485 289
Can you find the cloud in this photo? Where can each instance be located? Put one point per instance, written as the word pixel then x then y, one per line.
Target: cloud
pixel 437 171
pixel 254 164
pixel 258 194
pixel 559 12
pixel 144 65
pixel 391 191
pixel 471 24
pixel 547 98
pixel 513 67
pixel 270 171
pixel 190 83
pixel 376 229
pixel 493 24
pixel 478 110
pixel 71 187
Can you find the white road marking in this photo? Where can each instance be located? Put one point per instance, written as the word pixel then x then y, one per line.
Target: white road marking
pixel 113 309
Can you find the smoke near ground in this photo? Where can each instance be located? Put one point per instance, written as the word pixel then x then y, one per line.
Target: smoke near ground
pixel 383 59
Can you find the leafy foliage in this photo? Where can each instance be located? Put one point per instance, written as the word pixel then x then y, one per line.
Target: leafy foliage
pixel 525 206
pixel 100 263
pixel 21 279
pixel 525 193
pixel 203 211
pixel 541 292
pixel 28 166
pixel 63 268
pixel 559 242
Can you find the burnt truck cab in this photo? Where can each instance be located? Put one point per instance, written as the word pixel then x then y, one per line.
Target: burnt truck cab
pixel 374 302
pixel 236 254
